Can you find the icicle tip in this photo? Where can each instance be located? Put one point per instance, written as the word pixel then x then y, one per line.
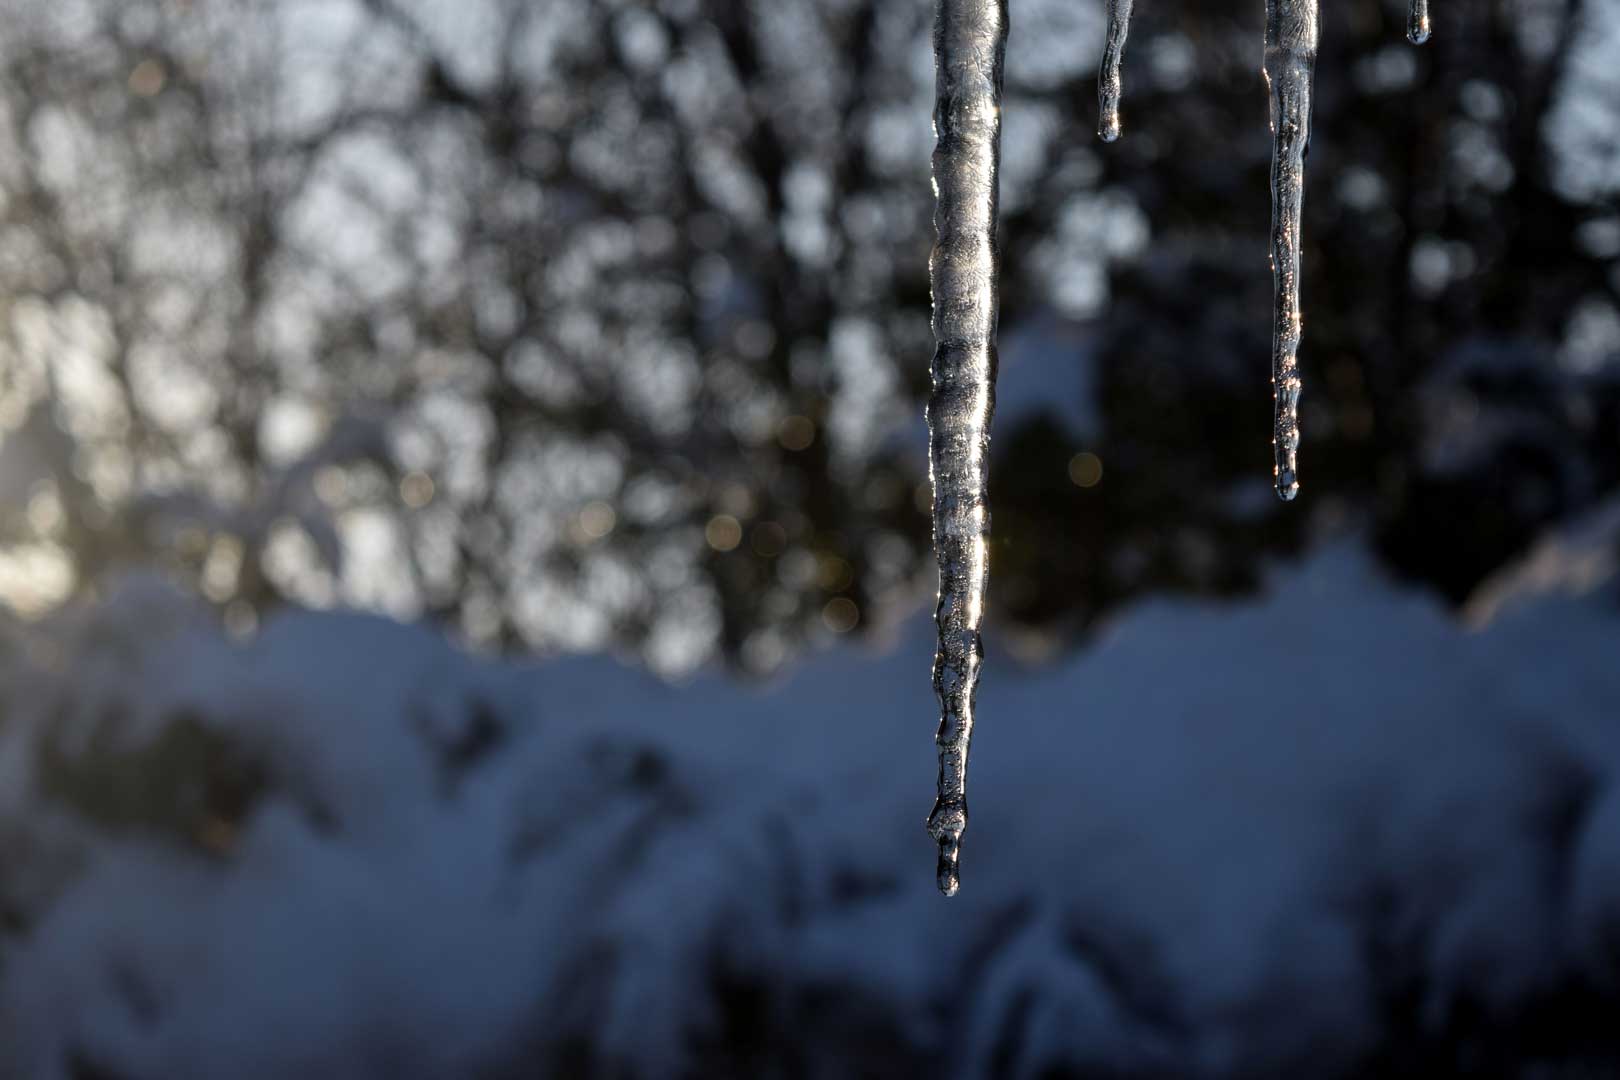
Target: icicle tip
pixel 1417 23
pixel 946 823
pixel 1110 87
pixel 949 876
pixel 1287 485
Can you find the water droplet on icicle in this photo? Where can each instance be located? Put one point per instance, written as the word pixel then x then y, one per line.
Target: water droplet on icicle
pixel 1110 87
pixel 1417 24
pixel 1292 31
pixel 970 39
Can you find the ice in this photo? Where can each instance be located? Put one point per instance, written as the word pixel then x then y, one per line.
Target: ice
pixel 1417 24
pixel 970 38
pixel 1292 30
pixel 1109 85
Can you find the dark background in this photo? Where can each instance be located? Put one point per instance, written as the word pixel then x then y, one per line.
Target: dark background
pixel 489 315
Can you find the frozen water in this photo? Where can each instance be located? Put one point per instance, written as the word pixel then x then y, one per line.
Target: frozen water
pixel 1292 30
pixel 970 38
pixel 1109 86
pixel 1417 24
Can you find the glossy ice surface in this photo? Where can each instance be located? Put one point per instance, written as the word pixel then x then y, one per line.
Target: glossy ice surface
pixel 970 38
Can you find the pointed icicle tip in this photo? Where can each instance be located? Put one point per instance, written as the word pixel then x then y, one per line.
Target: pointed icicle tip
pixel 949 875
pixel 1417 24
pixel 1110 87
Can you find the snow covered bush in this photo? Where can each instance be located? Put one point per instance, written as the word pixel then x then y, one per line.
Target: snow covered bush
pixel 1326 832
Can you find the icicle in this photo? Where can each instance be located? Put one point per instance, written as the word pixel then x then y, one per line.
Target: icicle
pixel 1292 28
pixel 1417 25
pixel 1109 85
pixel 970 38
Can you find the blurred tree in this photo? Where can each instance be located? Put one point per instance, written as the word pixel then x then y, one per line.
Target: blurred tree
pixel 605 323
pixel 1462 349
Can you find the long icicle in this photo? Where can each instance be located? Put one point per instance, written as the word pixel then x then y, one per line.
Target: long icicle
pixel 1110 86
pixel 1417 24
pixel 1292 30
pixel 970 39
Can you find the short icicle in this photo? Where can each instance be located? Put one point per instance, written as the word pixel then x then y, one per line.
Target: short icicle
pixel 1110 86
pixel 970 38
pixel 1417 24
pixel 1292 30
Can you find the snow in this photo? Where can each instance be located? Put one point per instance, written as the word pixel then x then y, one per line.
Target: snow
pixel 1192 844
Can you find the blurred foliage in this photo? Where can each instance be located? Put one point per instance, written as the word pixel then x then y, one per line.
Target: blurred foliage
pixel 604 324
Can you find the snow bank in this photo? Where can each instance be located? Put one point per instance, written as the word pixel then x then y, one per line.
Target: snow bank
pixel 1225 840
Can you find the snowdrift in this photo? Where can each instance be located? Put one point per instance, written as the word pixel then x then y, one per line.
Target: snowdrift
pixel 1323 832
